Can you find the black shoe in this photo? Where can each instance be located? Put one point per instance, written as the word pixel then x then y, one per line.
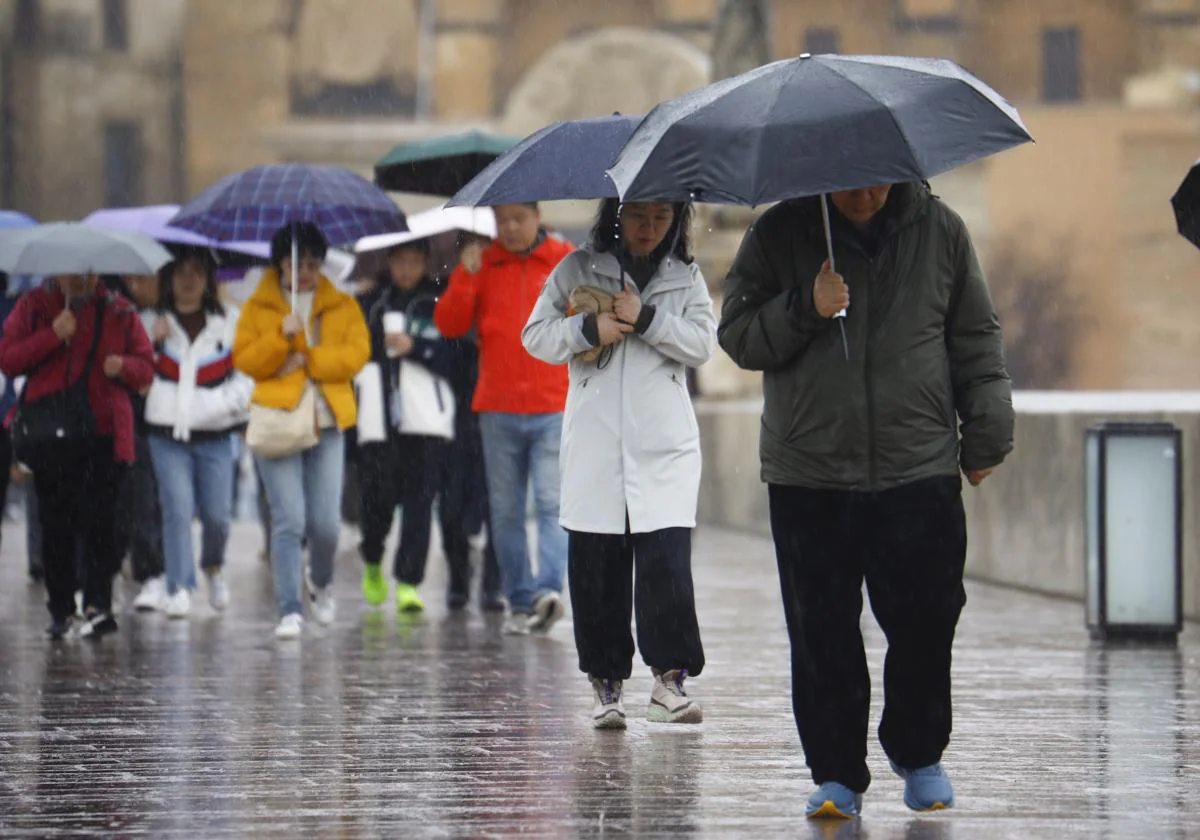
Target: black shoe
pixel 98 625
pixel 456 599
pixel 59 628
pixel 492 602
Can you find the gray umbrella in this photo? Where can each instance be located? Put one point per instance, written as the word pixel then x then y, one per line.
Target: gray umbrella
pixel 72 248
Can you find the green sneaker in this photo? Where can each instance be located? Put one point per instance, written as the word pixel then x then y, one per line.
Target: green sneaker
pixel 407 599
pixel 374 585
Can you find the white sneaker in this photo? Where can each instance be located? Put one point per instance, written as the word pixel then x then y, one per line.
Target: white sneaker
pixel 153 595
pixel 324 608
pixel 669 703
pixel 289 626
pixel 547 610
pixel 179 604
pixel 218 590
pixel 517 624
pixel 608 712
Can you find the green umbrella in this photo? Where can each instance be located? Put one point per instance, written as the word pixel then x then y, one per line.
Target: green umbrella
pixel 440 165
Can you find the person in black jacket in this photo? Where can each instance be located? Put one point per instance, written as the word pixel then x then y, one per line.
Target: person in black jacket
pixel 419 417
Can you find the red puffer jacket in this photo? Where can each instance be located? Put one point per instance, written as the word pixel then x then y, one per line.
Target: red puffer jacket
pixel 30 348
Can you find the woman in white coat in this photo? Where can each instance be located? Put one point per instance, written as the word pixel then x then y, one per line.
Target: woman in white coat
pixel 630 456
pixel 196 405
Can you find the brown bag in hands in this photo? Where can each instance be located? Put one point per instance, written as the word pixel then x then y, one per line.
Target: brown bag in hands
pixel 589 300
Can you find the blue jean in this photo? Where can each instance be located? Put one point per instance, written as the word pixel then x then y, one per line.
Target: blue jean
pixel 517 447
pixel 304 493
pixel 197 471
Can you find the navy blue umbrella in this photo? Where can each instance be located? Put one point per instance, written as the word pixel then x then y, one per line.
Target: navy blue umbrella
pixel 250 206
pixel 1186 204
pixel 812 125
pixel 562 161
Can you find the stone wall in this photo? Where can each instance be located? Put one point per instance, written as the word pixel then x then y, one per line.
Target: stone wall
pixel 1026 522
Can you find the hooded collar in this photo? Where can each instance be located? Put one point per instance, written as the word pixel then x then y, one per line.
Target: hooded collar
pixel 672 273
pixel 270 294
pixel 906 204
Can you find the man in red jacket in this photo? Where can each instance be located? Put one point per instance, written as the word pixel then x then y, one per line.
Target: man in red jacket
pixel 520 401
pixel 47 339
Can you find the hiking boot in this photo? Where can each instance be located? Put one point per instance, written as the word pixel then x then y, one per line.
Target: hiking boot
pixel 608 712
pixel 669 703
pixel 374 584
pixel 926 789
pixel 833 800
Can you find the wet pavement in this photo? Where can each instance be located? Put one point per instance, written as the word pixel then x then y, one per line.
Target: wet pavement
pixel 440 727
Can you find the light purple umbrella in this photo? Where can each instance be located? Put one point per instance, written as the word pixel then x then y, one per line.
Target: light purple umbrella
pixel 153 219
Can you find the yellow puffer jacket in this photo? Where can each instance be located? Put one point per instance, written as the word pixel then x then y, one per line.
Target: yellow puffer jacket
pixel 343 347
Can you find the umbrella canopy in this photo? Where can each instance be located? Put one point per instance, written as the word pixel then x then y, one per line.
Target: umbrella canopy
pixel 812 125
pixel 251 206
pixel 440 165
pixel 72 248
pixel 562 161
pixel 1186 203
pixel 14 219
pixel 431 223
pixel 153 220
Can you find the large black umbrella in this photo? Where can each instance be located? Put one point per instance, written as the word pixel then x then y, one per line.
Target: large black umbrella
pixel 439 165
pixel 812 125
pixel 1186 203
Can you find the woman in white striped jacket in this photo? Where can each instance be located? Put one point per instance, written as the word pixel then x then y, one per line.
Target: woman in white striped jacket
pixel 196 405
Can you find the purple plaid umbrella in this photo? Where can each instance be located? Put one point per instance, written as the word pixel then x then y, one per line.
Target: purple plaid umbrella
pixel 153 220
pixel 253 205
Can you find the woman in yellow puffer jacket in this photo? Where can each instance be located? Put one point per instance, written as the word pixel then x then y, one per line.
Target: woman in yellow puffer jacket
pixel 322 345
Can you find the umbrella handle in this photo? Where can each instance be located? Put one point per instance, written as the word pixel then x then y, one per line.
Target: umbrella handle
pixel 841 316
pixel 295 269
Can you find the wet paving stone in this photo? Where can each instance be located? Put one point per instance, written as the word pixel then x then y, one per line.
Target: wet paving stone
pixel 441 727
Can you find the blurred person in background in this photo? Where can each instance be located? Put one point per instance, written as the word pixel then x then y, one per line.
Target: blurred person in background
pixel 49 338
pixel 463 505
pixel 418 407
pixel 317 348
pixel 139 525
pixel 194 411
pixel 520 402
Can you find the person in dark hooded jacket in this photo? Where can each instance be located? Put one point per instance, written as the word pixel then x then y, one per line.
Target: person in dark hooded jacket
pixel 862 447
pixel 418 407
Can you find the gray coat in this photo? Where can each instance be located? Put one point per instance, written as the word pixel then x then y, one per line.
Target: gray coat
pixel 630 440
pixel 924 343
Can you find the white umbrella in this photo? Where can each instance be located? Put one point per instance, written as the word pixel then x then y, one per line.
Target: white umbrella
pixel 72 248
pixel 480 221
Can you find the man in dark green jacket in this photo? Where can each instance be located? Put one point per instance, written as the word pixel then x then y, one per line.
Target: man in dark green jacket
pixel 862 459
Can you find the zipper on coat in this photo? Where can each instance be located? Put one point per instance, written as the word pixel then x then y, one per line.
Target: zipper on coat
pixel 868 380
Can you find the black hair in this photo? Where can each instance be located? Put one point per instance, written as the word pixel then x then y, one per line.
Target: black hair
pixel 310 242
pixel 421 245
pixel 606 233
pixel 166 288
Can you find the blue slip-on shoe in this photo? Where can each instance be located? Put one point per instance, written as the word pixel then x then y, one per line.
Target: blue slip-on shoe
pixel 833 800
pixel 926 789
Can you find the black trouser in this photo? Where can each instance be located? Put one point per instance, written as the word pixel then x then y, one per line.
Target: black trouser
pixel 463 509
pixel 78 487
pixel 139 518
pixel 403 471
pixel 605 592
pixel 910 545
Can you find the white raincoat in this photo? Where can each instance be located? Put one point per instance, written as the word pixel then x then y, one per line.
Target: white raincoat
pixel 630 440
